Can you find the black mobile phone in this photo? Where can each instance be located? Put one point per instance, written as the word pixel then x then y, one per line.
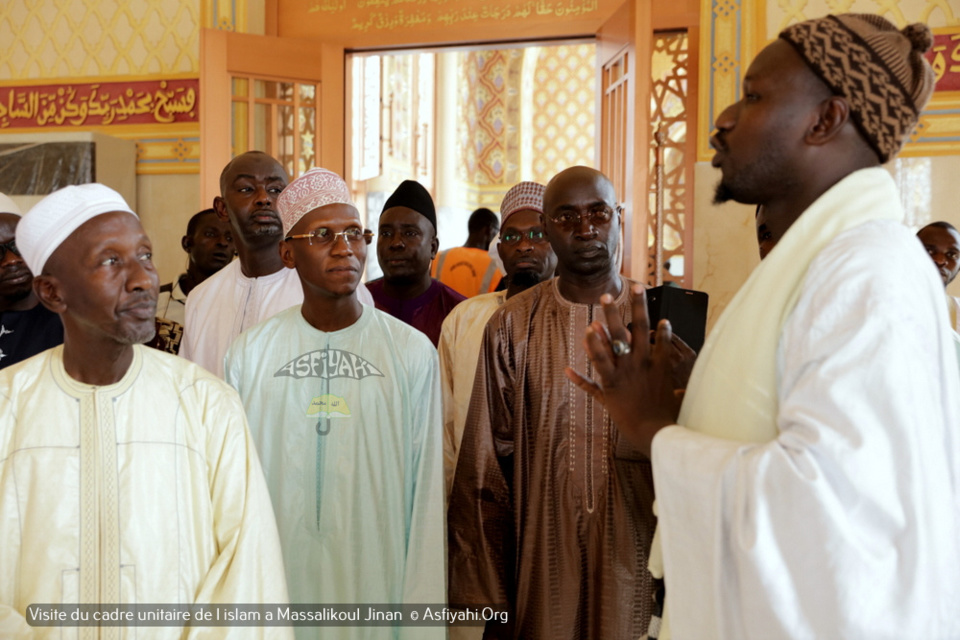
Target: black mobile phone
pixel 684 308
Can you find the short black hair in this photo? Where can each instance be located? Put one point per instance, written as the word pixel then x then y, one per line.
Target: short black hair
pixel 195 221
pixel 481 219
pixel 226 168
pixel 942 224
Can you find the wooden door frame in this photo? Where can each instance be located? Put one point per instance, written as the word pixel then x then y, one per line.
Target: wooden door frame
pixel 224 53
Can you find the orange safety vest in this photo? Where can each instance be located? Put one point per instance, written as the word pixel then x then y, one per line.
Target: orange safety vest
pixel 468 271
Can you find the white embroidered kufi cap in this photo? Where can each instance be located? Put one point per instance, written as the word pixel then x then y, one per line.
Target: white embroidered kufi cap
pixel 9 206
pixel 314 189
pixel 52 220
pixel 525 195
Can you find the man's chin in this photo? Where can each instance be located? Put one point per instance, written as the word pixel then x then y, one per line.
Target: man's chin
pixel 402 278
pixel 525 278
pixel 722 193
pixel 18 293
pixel 138 335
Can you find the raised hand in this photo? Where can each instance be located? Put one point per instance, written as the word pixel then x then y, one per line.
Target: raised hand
pixel 635 380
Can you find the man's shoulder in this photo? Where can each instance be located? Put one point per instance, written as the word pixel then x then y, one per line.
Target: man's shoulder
pixel 160 366
pixel 387 329
pixel 215 284
pixel 528 300
pixel 477 304
pixel 448 294
pixel 158 369
pixel 878 249
pixel 279 326
pixel 27 372
pixel 876 271
pixel 375 287
pixel 514 314
pixel 483 305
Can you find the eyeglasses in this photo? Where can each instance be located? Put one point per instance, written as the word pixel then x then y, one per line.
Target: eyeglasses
pixel 324 236
pixel 9 246
pixel 596 217
pixel 535 236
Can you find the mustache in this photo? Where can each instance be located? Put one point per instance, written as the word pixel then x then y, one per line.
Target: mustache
pixel 717 142
pixel 140 298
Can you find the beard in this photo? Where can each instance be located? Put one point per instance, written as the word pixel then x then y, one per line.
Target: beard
pixel 525 278
pixel 262 234
pixel 17 295
pixel 141 335
pixel 722 193
pixel 763 179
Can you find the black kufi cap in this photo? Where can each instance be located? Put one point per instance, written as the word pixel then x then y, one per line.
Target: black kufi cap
pixel 413 195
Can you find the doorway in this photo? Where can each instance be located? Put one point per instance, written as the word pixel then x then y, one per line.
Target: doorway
pixel 467 123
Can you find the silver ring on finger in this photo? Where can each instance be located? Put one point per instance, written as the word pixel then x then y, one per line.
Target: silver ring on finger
pixel 620 348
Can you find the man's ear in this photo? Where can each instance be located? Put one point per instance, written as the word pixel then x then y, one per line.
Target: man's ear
pixel 434 246
pixel 832 114
pixel 500 252
pixel 545 226
pixel 50 292
pixel 286 255
pixel 186 242
pixel 220 206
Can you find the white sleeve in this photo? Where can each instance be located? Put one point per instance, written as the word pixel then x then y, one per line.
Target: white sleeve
pixel 188 347
pixel 426 571
pixel 846 525
pixel 450 440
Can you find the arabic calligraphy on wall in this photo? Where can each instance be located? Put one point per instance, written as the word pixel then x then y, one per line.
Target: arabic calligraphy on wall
pixel 100 103
pixel 944 57
pixel 390 15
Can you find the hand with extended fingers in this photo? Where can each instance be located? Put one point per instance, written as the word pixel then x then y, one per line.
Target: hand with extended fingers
pixel 640 384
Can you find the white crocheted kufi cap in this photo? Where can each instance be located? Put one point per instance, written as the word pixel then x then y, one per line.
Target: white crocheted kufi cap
pixel 314 189
pixel 51 221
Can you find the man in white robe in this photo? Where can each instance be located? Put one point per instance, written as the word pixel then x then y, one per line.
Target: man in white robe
pixel 127 475
pixel 344 406
pixel 807 486
pixel 528 259
pixel 256 285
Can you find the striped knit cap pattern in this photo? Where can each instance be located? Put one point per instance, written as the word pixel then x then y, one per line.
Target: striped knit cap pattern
pixel 879 70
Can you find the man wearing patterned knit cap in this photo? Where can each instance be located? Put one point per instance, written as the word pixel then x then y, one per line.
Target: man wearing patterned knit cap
pixel 26 326
pixel 406 244
pixel 528 260
pixel 807 486
pixel 127 475
pixel 344 405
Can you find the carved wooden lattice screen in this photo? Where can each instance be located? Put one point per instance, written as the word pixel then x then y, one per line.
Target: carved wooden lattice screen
pixel 614 121
pixel 278 117
pixel 616 133
pixel 669 113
